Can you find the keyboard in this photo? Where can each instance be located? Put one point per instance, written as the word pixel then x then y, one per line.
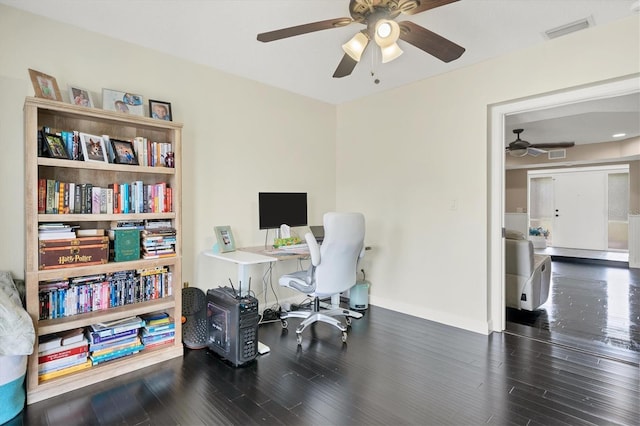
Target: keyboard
pixel 301 246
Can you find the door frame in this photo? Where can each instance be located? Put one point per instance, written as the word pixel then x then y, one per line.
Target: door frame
pixel 497 114
pixel 607 169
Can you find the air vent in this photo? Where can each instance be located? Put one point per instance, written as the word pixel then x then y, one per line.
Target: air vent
pixel 569 28
pixel 557 154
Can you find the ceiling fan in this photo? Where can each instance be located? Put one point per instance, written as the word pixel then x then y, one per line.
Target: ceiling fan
pixel 520 148
pixel 378 16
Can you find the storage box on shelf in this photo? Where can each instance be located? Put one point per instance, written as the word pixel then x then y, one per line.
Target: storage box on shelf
pixel 158 279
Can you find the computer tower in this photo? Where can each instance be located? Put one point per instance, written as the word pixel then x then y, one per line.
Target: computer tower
pixel 232 325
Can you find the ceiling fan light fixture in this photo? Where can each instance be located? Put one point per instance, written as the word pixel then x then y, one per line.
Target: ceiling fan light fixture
pixel 518 152
pixel 389 53
pixel 355 47
pixel 387 32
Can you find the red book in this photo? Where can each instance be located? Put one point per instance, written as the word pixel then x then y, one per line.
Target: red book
pixel 42 195
pixel 63 353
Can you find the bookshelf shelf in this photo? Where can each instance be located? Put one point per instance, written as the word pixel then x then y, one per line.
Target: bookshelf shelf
pixel 123 168
pixel 103 217
pixel 58 116
pixel 83 320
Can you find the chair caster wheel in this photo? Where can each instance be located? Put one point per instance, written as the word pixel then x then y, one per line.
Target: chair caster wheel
pixel 284 323
pixel 299 339
pixel 347 320
pixel 344 337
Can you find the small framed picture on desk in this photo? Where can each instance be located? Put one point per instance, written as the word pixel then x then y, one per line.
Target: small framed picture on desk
pixel 224 236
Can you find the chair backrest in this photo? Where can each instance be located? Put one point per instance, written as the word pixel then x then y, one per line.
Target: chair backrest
pixel 339 253
pixel 519 257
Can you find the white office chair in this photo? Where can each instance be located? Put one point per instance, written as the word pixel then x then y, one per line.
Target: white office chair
pixel 332 271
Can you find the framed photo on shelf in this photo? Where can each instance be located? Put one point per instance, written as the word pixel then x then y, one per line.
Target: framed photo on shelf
pixel 80 96
pixel 123 152
pixel 45 86
pixel 224 236
pixel 93 148
pixel 160 110
pixel 125 102
pixel 55 146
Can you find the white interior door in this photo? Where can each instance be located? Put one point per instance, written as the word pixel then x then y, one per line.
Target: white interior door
pixel 580 200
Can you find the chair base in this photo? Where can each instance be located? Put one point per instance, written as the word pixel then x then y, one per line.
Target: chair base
pixel 327 316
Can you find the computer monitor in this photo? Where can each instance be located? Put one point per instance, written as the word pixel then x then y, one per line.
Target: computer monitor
pixel 277 208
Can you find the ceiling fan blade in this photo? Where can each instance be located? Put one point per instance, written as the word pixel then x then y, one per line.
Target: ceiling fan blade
pixel 552 145
pixel 534 152
pixel 425 5
pixel 430 42
pixel 345 67
pixel 303 29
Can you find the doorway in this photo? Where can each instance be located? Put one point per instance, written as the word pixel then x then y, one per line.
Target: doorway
pixel 582 208
pixel 496 168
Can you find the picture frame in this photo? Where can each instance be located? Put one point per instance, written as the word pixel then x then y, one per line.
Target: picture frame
pixel 160 110
pixel 55 146
pixel 123 152
pixel 80 96
pixel 45 86
pixel 93 148
pixel 125 102
pixel 224 236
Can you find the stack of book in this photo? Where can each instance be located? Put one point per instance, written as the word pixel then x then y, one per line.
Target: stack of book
pixel 114 339
pixel 55 231
pixel 159 330
pixel 62 353
pixel 158 242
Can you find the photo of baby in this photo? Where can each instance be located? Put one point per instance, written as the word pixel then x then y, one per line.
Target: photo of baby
pixel 160 110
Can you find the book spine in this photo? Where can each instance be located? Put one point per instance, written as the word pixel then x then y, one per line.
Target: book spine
pixel 59 363
pixel 42 196
pixel 64 371
pixel 51 193
pixel 116 354
pixel 97 338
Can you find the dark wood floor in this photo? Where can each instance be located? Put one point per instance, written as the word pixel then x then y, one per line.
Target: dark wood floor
pixel 394 370
pixel 592 307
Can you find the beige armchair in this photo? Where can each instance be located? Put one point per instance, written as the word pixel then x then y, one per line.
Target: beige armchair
pixel 528 275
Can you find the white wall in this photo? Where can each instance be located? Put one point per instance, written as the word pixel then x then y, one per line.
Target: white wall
pixel 240 137
pixel 414 160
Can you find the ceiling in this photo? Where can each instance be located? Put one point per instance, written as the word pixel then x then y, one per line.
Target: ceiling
pixel 222 34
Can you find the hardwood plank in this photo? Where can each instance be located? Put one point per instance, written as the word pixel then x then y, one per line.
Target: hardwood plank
pixel 394 369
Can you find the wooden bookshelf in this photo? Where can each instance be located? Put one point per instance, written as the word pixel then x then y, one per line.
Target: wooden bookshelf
pixel 66 117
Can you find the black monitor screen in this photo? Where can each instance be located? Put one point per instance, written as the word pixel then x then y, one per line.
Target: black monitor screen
pixel 277 208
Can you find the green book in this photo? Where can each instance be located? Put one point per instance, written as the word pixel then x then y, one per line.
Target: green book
pixel 126 244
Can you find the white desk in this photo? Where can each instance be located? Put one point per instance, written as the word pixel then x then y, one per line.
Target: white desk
pixel 242 259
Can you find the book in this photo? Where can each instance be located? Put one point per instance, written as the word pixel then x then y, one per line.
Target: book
pixel 109 328
pixel 72 369
pixel 132 338
pixel 64 351
pixel 72 336
pixel 61 363
pixel 168 340
pixel 129 343
pixel 157 318
pixel 155 329
pixel 97 338
pixel 56 340
pixel 90 232
pixel 146 339
pixel 70 346
pixel 116 354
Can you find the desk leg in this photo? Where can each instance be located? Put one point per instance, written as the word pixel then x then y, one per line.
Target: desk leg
pixel 243 279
